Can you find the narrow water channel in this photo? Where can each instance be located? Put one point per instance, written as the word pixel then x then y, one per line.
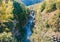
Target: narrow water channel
pixel 29 25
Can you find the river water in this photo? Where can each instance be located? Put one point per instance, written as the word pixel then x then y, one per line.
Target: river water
pixel 29 25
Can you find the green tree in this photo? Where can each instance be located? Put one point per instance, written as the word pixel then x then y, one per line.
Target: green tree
pixel 6 15
pixel 20 14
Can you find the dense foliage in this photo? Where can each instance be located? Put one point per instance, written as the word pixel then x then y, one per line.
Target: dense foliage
pixel 6 16
pixel 9 12
pixel 20 13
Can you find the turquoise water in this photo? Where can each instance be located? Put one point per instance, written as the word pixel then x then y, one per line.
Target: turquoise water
pixel 31 2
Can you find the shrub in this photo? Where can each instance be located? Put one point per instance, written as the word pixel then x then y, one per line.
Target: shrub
pixel 47 25
pixel 20 13
pixel 50 5
pixel 43 4
pixel 6 11
pixel 58 5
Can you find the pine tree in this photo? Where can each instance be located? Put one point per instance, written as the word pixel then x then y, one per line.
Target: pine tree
pixel 6 15
pixel 6 11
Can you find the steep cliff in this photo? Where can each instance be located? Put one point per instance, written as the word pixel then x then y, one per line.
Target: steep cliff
pixel 47 21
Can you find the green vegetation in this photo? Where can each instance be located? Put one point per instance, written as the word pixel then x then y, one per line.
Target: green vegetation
pixel 57 4
pixel 6 15
pixel 43 4
pixel 50 6
pixel 47 20
pixel 47 25
pixel 10 11
pixel 20 11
